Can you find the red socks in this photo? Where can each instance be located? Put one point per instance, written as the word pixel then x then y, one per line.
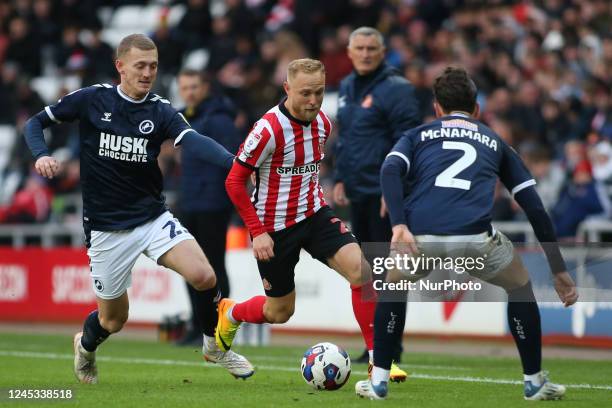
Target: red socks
pixel 250 311
pixel 364 306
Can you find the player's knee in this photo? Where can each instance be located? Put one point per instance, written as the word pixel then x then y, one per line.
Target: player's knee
pixel 203 277
pixel 357 272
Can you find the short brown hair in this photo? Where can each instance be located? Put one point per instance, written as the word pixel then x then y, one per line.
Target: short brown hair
pixel 190 72
pixel 454 90
pixel 140 41
pixel 305 65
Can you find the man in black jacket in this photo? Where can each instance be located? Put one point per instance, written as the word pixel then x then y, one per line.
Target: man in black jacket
pixel 204 207
pixel 376 104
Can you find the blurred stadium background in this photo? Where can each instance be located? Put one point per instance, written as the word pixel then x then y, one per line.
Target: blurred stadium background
pixel 544 73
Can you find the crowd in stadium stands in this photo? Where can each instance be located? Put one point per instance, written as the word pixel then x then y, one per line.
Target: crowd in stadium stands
pixel 543 69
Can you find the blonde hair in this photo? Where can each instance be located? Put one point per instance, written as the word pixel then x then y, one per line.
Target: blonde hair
pixel 140 41
pixel 305 65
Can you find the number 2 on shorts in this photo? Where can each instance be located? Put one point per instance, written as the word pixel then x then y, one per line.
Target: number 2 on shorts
pixel 173 231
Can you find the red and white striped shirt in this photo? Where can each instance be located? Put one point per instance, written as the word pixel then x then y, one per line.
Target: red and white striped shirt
pixel 286 155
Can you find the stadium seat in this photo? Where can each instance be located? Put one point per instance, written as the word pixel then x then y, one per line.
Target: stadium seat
pixel 47 87
pixel 112 36
pixel 176 13
pixel 197 59
pixel 8 181
pixel 149 17
pixel 126 17
pixel 8 135
pixel 330 104
pixel 131 19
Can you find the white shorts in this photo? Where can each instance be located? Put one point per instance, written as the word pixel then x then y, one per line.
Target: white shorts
pixel 112 254
pixel 495 252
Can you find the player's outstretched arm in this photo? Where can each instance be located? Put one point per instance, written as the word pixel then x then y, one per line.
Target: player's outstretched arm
pixel 235 185
pixel 393 170
pixel 207 149
pixel 45 165
pixel 544 230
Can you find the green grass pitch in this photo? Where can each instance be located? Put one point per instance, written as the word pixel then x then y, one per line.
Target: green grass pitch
pixel 149 374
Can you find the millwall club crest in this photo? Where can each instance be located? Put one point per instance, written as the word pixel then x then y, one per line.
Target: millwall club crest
pixel 146 127
pixel 98 284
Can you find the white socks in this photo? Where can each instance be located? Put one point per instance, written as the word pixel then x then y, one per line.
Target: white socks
pixel 379 375
pixel 534 378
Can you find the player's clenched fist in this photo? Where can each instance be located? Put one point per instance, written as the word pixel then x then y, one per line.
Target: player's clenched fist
pixel 403 239
pixel 47 166
pixel 263 247
pixel 566 288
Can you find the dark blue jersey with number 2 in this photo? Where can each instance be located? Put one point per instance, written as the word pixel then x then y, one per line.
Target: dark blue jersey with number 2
pixel 453 164
pixel 120 141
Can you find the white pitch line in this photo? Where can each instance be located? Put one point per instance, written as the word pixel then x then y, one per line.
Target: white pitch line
pixel 404 365
pixel 500 381
pixel 150 361
pixel 436 367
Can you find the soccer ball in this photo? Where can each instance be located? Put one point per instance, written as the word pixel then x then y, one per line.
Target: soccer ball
pixel 326 366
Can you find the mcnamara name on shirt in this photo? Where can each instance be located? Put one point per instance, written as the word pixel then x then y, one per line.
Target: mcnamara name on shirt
pixel 125 148
pixel 456 132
